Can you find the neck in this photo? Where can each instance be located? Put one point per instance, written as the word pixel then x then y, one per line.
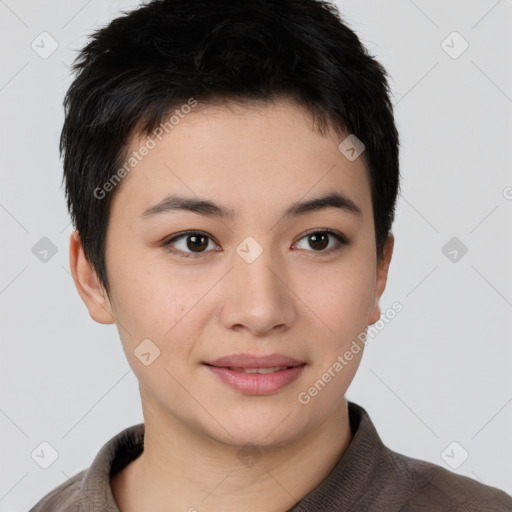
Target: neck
pixel 184 470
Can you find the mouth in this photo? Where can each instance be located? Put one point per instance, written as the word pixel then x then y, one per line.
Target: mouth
pixel 249 361
pixel 261 370
pixel 256 375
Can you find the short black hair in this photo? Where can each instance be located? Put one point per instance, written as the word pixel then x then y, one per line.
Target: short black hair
pixel 132 74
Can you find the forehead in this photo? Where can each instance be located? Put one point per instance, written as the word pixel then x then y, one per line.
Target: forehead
pixel 268 154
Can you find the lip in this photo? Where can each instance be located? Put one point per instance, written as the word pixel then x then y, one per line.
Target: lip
pixel 250 361
pixel 229 370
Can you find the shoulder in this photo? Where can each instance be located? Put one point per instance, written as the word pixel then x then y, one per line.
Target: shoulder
pixel 92 486
pixel 64 498
pixel 432 487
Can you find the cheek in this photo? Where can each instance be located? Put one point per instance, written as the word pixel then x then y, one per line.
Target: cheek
pixel 341 296
pixel 145 304
pixel 168 309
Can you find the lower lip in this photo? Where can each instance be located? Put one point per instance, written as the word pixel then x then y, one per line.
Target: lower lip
pixel 257 383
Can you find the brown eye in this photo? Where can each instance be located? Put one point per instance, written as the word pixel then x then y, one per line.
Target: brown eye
pixel 319 240
pixel 197 242
pixel 190 243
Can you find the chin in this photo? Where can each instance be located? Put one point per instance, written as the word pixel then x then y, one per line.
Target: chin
pixel 265 429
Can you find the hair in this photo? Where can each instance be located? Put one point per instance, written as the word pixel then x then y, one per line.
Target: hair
pixel 132 73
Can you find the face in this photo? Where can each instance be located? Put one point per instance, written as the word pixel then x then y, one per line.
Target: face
pixel 249 283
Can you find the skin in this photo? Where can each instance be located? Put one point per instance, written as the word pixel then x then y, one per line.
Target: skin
pixel 292 300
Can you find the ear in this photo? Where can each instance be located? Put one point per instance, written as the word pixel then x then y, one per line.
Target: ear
pixel 382 276
pixel 87 283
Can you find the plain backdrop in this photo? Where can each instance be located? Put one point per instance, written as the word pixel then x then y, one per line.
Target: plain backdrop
pixel 436 380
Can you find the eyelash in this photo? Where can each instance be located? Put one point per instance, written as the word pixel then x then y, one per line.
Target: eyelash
pixel 341 242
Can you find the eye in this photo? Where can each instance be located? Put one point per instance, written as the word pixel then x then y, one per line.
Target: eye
pixel 195 241
pixel 319 240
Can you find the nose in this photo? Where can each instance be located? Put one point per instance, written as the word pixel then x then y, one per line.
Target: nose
pixel 256 296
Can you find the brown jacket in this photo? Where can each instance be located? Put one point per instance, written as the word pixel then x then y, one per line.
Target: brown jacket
pixel 369 477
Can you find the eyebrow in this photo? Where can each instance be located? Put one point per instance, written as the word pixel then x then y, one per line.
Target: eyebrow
pixel 208 208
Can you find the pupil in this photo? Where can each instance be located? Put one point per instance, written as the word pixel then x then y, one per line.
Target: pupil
pixel 194 245
pixel 315 238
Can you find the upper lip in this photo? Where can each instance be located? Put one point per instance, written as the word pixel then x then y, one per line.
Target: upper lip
pixel 250 361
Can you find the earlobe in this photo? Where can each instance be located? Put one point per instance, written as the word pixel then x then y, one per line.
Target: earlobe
pixel 87 283
pixel 375 314
pixel 382 276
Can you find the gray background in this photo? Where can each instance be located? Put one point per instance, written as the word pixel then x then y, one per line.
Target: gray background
pixel 439 372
